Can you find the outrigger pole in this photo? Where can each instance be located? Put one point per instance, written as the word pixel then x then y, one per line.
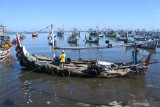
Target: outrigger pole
pixel 103 47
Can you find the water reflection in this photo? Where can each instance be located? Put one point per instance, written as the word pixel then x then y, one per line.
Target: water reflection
pixel 6 69
pixel 60 38
pixel 89 90
pixel 73 44
pixel 141 50
pixel 35 39
pixel 91 44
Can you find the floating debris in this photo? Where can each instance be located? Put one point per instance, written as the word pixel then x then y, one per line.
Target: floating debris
pixel 48 102
pixel 82 104
pixel 113 103
pixel 26 83
pixel 150 86
pixel 132 95
pixel 30 100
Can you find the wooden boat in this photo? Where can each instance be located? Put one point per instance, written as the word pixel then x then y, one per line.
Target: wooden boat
pixel 111 33
pixel 141 37
pixel 4 54
pixel 93 32
pixel 5 45
pixel 100 35
pixel 50 42
pixel 73 36
pixel 121 39
pixel 148 46
pixel 50 39
pixel 60 32
pixel 151 45
pixel 22 37
pixel 81 68
pixel 72 40
pixel 90 40
pixel 35 34
pixel 14 41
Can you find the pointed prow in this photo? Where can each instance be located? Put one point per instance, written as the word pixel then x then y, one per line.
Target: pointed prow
pixel 18 42
pixel 147 61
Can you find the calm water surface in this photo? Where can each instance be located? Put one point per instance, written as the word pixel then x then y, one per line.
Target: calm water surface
pixel 20 87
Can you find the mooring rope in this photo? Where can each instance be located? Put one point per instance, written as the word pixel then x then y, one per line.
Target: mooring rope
pixel 44 29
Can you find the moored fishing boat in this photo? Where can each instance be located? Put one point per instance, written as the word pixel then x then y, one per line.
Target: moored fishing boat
pixel 89 39
pixel 50 38
pixel 111 33
pixel 34 34
pixel 60 32
pixel 93 32
pixel 73 36
pixel 5 45
pixel 22 36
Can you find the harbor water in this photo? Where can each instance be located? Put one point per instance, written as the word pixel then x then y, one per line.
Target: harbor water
pixel 20 87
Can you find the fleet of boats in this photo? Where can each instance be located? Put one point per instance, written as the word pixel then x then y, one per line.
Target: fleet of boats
pixel 85 68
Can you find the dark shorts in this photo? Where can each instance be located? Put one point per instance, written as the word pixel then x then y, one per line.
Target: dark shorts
pixel 62 63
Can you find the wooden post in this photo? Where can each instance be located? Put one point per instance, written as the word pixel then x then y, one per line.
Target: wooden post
pixel 52 33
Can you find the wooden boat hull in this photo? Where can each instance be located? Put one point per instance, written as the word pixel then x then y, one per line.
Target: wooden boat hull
pixel 92 41
pixel 72 41
pixel 34 34
pixel 121 39
pixel 4 54
pixel 60 33
pixel 113 36
pixel 72 67
pixel 148 46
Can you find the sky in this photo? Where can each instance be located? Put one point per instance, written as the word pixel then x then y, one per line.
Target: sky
pixel 27 15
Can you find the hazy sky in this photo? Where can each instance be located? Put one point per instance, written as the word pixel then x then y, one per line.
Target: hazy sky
pixel 25 15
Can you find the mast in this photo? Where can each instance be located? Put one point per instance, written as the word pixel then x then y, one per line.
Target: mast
pixel 52 33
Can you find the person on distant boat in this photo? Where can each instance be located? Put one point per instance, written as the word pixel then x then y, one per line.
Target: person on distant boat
pixel 62 59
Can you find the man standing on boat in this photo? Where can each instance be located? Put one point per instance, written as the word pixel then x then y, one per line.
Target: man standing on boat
pixel 62 59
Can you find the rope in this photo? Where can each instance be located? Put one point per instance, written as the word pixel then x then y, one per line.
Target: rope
pixel 44 29
pixel 154 62
pixel 38 31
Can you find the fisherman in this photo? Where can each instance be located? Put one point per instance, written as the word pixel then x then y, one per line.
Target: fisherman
pixel 62 59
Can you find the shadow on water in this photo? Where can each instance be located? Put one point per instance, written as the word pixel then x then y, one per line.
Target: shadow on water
pixel 60 38
pixel 95 91
pixel 91 44
pixel 73 44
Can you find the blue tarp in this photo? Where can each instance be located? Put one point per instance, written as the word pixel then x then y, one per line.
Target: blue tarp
pixel 1 26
